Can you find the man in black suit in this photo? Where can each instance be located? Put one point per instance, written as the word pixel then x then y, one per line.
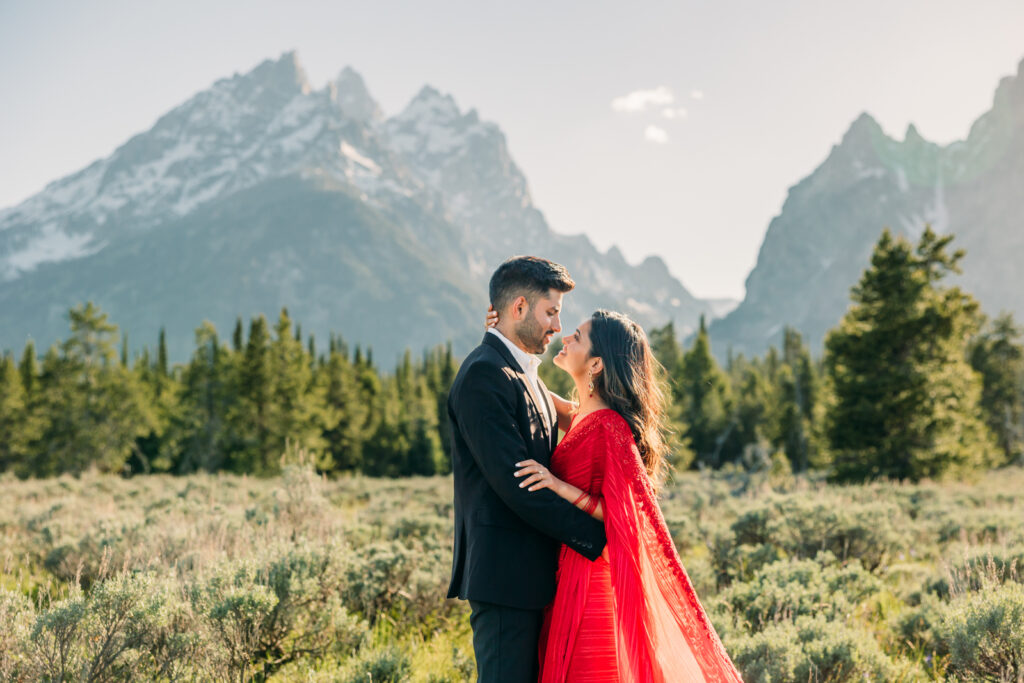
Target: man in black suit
pixel 506 538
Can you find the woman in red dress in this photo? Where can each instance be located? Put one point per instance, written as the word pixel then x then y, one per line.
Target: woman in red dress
pixel 632 615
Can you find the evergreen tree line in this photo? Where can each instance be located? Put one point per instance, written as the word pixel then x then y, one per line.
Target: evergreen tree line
pixel 231 407
pixel 914 382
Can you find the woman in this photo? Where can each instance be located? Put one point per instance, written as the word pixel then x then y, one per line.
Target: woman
pixel 632 615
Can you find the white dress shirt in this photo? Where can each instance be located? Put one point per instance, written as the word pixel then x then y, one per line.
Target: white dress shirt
pixel 529 363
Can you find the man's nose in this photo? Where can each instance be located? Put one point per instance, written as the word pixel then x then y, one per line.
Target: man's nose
pixel 556 324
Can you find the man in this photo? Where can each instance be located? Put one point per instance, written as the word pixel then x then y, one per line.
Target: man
pixel 506 538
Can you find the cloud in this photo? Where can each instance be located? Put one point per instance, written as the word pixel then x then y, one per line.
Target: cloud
pixel 697 94
pixel 656 135
pixel 639 100
pixel 670 113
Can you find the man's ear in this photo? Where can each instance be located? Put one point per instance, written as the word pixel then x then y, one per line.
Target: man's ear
pixel 520 307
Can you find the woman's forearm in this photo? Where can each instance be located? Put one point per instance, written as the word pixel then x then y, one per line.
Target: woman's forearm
pixel 592 505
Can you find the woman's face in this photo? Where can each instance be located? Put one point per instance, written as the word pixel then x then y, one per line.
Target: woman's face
pixel 574 357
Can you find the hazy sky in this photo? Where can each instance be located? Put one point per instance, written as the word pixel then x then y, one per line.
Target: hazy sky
pixel 758 93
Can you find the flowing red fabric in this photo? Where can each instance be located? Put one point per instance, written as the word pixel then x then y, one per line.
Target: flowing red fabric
pixel 634 618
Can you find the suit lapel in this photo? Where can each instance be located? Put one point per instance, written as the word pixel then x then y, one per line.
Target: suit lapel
pixel 553 432
pixel 496 343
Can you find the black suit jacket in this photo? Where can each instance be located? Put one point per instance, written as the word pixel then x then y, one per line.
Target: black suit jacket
pixel 506 538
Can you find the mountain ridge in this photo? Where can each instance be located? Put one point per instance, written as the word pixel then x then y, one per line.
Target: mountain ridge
pixel 819 244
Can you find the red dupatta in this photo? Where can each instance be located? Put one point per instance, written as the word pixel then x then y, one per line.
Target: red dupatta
pixel 662 632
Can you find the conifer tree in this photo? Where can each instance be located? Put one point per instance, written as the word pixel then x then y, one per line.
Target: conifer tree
pixel 669 353
pixel 197 437
pixel 343 395
pixel 29 368
pixel 237 339
pixel 797 400
pixel 294 412
pixel 905 401
pixel 754 403
pixel 997 355
pixel 251 450
pixel 92 408
pixel 706 402
pixel 162 364
pixel 18 428
pixel 445 376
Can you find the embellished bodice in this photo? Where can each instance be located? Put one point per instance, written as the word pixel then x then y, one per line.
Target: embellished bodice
pixel 584 468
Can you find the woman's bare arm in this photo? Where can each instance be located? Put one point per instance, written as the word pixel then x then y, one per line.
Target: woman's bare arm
pixel 541 478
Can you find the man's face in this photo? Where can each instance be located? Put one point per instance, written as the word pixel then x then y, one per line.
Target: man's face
pixel 541 322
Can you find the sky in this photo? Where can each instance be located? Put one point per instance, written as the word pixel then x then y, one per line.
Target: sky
pixel 666 128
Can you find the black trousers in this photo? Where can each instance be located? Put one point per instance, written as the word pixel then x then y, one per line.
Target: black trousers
pixel 505 642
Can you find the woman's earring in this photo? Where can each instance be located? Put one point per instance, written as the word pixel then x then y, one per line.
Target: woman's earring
pixel 590 385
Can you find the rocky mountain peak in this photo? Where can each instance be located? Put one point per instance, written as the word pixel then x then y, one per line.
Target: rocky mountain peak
pixel 863 131
pixel 912 136
pixel 1010 92
pixel 431 104
pixel 354 99
pixel 284 75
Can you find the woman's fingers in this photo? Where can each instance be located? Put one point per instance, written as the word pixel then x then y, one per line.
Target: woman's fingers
pixel 492 318
pixel 537 476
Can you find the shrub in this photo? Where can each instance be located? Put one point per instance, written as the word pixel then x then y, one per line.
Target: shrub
pixel 387 664
pixel 308 618
pixel 237 614
pixel 810 649
pixel 786 590
pixel 16 617
pixel 985 633
pixel 57 651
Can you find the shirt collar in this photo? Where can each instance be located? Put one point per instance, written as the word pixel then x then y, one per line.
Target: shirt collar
pixel 528 361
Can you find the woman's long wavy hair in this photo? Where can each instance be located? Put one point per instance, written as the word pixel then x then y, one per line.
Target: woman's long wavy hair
pixel 630 385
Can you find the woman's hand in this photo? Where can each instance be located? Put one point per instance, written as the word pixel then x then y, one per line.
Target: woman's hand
pixel 492 318
pixel 538 477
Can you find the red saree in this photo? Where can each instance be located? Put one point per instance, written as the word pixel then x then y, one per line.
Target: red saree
pixel 635 617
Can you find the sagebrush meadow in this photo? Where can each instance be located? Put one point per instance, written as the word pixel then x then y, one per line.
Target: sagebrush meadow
pixel 299 578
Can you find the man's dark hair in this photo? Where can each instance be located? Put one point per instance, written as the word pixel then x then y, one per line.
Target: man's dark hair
pixel 527 276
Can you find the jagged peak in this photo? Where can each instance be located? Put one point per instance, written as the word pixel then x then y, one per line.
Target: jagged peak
pixel 863 127
pixel 285 73
pixel 430 99
pixel 1010 91
pixel 615 254
pixel 912 136
pixel 353 97
pixel 655 264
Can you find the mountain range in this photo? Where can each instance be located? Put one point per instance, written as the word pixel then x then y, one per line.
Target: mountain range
pixel 263 192
pixel 822 240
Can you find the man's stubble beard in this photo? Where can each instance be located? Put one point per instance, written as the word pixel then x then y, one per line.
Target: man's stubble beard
pixel 531 335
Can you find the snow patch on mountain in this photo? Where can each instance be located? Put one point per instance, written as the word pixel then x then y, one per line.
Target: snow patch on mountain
pixel 50 244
